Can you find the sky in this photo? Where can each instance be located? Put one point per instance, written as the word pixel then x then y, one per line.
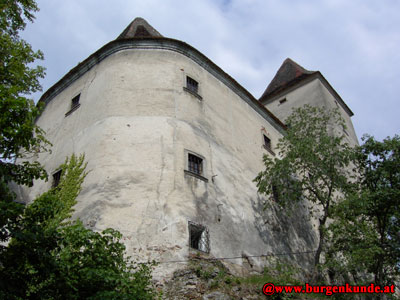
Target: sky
pixel 354 44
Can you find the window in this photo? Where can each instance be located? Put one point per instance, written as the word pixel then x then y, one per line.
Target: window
pixel 198 237
pixel 282 101
pixel 56 178
pixel 267 144
pixel 195 164
pixel 192 86
pixel 75 101
pixel 74 104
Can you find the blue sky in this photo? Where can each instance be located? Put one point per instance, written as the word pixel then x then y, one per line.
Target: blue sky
pixel 355 44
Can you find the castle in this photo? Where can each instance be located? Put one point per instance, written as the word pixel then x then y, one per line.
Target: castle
pixel 173 144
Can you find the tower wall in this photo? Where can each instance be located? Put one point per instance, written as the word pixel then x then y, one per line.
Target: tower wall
pixel 136 125
pixel 315 93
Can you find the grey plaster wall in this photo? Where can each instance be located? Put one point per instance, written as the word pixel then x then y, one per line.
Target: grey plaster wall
pixel 136 125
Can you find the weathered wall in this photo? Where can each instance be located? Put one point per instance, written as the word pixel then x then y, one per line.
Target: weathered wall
pixel 314 93
pixel 135 125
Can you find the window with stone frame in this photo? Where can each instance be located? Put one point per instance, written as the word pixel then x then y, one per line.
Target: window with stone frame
pixel 192 85
pixel 195 164
pixel 267 142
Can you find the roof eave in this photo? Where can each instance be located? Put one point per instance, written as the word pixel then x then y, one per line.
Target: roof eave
pixel 300 82
pixel 160 43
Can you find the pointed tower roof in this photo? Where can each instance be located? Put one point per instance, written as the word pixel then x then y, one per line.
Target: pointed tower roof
pixel 139 28
pixel 289 72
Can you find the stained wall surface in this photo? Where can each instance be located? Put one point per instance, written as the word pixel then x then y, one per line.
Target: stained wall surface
pixel 136 125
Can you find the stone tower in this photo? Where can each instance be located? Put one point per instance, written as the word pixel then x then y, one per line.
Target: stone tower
pixel 173 144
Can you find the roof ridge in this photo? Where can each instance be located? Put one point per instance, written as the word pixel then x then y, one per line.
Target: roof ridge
pixel 288 72
pixel 139 28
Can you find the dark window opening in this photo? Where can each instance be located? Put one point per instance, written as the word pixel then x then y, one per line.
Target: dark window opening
pixel 195 164
pixel 75 101
pixel 56 178
pixel 192 85
pixel 282 101
pixel 198 237
pixel 74 104
pixel 267 142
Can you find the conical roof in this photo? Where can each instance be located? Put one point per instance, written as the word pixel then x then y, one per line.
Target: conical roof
pixel 288 73
pixel 139 28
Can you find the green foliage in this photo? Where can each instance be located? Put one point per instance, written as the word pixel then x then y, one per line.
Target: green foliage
pixel 313 164
pixel 52 257
pixel 19 136
pixel 12 13
pixel 367 224
pixel 278 273
pixel 9 213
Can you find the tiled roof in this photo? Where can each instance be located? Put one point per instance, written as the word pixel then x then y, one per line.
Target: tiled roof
pixel 289 72
pixel 139 28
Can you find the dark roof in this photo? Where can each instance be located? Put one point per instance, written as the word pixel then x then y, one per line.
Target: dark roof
pixel 139 28
pixel 289 73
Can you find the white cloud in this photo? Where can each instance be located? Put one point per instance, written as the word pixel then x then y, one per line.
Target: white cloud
pixel 355 44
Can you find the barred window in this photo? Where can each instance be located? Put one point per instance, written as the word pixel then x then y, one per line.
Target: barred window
pixel 198 237
pixel 195 164
pixel 192 84
pixel 267 142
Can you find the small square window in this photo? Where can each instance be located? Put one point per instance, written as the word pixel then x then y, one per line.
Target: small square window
pixel 56 178
pixel 192 85
pixel 282 101
pixel 267 144
pixel 74 104
pixel 198 237
pixel 75 101
pixel 195 164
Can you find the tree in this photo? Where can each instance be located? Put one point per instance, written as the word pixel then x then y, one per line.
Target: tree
pixel 366 230
pixel 19 136
pixel 314 165
pixel 52 257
